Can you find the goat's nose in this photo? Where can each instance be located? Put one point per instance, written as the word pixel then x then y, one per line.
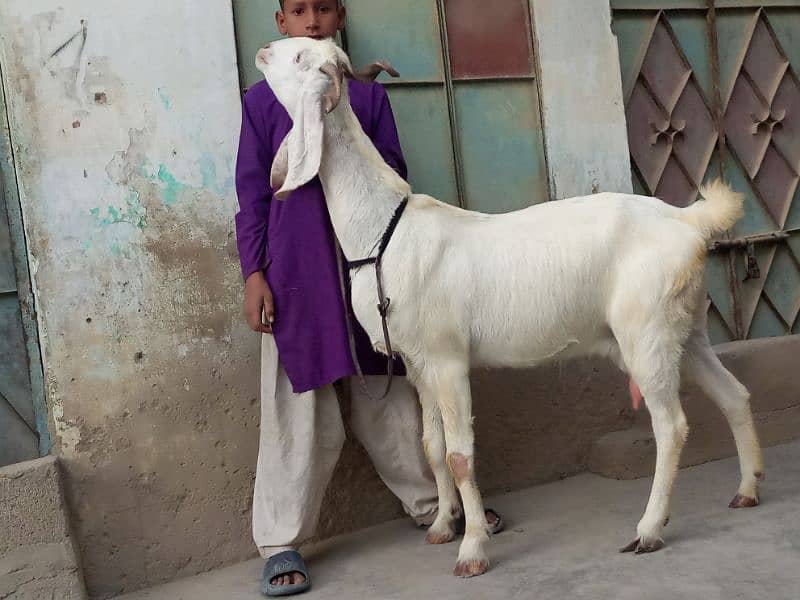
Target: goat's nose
pixel 266 46
pixel 262 56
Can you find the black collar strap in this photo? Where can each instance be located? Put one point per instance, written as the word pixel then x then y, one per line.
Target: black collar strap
pixel 387 236
pixel 383 301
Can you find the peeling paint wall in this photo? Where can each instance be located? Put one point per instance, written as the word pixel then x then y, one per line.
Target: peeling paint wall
pixel 124 120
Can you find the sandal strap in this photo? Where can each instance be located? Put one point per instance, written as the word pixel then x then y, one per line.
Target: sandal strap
pixel 283 563
pixel 499 525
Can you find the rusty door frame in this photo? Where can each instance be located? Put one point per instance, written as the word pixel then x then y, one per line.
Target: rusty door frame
pixel 9 188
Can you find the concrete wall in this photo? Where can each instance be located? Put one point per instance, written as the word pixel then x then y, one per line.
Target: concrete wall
pixel 765 366
pixel 124 120
pixel 37 550
pixel 581 94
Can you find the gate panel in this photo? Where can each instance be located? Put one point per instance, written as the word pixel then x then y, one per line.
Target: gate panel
pixel 486 101
pixel 255 26
pixel 762 125
pixel 19 438
pixel 672 123
pixel 496 101
pixel 713 90
pixel 501 140
pixel 409 36
pixel 426 138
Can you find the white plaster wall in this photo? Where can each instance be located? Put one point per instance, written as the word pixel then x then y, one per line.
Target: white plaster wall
pixel 581 96
pixel 124 143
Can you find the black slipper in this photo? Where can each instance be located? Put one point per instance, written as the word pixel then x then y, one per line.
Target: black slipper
pixel 284 563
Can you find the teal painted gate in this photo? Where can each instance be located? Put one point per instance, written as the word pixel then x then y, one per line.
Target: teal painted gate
pixel 711 88
pixel 23 421
pixel 467 102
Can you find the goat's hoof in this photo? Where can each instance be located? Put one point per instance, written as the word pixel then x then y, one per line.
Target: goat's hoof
pixel 640 546
pixel 740 501
pixel 435 537
pixel 471 568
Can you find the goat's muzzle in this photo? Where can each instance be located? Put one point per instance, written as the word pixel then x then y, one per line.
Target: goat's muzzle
pixel 262 55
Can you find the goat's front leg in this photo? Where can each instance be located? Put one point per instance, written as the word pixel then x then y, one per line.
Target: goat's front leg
pixel 455 403
pixel 443 528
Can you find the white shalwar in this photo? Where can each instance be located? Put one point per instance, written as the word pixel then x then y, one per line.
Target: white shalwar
pixel 300 441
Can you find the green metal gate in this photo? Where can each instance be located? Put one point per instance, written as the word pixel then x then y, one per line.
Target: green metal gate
pixel 711 88
pixel 467 104
pixel 23 420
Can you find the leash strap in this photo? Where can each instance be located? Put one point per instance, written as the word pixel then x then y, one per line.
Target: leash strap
pixel 383 303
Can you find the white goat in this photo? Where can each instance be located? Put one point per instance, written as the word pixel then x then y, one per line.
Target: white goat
pixel 615 275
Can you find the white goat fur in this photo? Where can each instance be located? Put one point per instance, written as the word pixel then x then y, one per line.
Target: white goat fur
pixel 616 275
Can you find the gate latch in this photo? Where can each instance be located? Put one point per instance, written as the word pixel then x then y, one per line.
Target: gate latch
pixel 751 263
pixel 748 243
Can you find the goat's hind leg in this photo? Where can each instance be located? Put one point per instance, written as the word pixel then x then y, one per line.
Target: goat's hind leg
pixel 703 367
pixel 654 363
pixel 670 429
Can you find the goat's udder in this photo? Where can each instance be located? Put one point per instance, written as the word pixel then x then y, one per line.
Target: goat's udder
pixel 636 394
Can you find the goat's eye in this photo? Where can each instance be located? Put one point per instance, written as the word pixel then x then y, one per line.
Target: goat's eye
pixel 297 58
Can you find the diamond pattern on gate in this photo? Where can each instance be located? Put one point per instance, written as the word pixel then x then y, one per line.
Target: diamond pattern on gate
pixel 672 135
pixel 762 129
pixel 671 131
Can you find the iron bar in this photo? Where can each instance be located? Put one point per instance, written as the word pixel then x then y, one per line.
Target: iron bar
pixel 451 105
pixel 431 82
pixel 773 237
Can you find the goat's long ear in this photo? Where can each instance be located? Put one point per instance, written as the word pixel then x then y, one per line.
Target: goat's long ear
pixel 280 165
pixel 298 158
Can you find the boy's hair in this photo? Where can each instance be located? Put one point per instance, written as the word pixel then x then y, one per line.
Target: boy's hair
pixel 338 2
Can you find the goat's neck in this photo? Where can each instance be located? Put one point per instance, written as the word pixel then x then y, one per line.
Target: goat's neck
pixel 361 190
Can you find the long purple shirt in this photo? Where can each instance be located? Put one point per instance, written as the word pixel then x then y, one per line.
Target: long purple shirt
pixel 292 241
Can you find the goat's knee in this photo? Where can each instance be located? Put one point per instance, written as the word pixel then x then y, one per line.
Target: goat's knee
pixel 460 466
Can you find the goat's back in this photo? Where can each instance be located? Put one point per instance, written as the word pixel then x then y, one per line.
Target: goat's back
pixel 519 288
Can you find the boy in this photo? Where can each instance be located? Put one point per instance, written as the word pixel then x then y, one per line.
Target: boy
pixel 288 259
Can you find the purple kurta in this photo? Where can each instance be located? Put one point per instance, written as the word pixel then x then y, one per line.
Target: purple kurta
pixel 292 241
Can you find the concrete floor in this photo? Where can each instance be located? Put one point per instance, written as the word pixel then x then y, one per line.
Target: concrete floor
pixel 561 542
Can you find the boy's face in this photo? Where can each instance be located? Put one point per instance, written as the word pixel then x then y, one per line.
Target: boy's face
pixel 316 19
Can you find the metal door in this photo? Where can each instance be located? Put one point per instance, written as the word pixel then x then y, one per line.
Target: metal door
pixel 711 89
pixel 23 422
pixel 467 104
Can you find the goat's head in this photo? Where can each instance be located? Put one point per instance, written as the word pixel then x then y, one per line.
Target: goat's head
pixel 306 76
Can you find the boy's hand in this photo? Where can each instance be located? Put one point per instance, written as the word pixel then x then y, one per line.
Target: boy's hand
pixel 258 303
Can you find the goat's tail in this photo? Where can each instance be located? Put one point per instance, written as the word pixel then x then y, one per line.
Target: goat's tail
pixel 720 208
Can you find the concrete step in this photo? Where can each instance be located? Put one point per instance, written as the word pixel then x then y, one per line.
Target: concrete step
pixel 38 558
pixel 767 367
